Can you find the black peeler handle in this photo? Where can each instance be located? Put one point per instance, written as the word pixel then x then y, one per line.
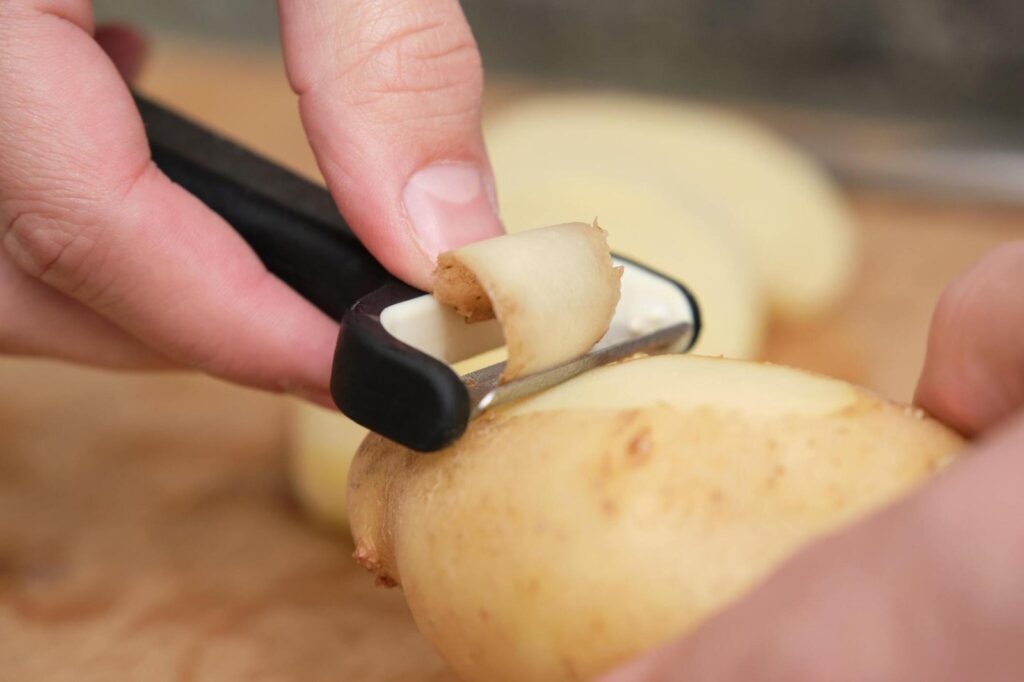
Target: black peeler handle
pixel 291 223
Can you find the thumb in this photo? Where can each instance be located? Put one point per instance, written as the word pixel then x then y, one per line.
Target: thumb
pixel 973 376
pixel 390 95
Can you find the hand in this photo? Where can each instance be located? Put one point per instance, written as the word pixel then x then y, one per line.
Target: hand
pixel 931 588
pixel 103 260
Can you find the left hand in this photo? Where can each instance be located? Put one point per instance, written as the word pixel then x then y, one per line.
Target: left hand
pixel 104 260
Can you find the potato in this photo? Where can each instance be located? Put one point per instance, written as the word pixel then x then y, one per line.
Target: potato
pixel 738 174
pixel 655 228
pixel 571 531
pixel 322 445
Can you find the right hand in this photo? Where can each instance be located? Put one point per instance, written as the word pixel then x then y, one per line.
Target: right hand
pixel 931 588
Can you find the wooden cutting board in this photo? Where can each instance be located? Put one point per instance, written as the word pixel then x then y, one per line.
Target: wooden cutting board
pixel 146 531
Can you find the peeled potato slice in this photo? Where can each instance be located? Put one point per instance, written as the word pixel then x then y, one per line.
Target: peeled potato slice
pixel 798 230
pixel 323 443
pixel 570 532
pixel 534 282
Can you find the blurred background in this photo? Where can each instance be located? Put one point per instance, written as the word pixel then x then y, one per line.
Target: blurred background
pixel 924 56
pixel 940 80
pixel 148 524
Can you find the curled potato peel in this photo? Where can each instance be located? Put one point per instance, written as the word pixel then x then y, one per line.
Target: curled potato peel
pixel 553 289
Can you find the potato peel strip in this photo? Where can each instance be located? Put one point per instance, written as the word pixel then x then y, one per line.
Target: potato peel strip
pixel 553 290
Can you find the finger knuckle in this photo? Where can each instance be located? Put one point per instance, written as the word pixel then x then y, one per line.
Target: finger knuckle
pixel 48 245
pixel 434 59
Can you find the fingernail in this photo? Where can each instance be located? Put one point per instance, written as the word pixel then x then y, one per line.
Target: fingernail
pixel 449 205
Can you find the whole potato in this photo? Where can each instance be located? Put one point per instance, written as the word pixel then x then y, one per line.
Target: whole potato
pixel 571 531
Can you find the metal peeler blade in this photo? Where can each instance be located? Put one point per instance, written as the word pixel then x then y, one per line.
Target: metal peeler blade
pixel 655 315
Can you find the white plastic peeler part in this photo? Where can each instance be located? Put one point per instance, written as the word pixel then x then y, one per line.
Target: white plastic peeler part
pixel 649 319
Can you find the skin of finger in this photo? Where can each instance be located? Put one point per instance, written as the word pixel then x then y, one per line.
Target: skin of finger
pixel 37 320
pixel 812 615
pixel 929 588
pixel 86 212
pixel 385 88
pixel 973 375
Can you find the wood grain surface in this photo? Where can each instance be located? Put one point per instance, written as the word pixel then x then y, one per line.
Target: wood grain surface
pixel 146 532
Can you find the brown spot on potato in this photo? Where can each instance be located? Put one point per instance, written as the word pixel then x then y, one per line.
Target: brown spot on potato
pixel 368 558
pixel 386 581
pixel 775 476
pixel 570 669
pixel 638 452
pixel 609 508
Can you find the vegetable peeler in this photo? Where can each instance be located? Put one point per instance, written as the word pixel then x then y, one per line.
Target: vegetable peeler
pixel 392 364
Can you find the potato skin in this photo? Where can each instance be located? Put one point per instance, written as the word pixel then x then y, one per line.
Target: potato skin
pixel 555 545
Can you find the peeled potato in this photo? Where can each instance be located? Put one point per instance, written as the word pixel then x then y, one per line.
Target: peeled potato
pixel 323 443
pixel 569 532
pixel 648 224
pixel 799 232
